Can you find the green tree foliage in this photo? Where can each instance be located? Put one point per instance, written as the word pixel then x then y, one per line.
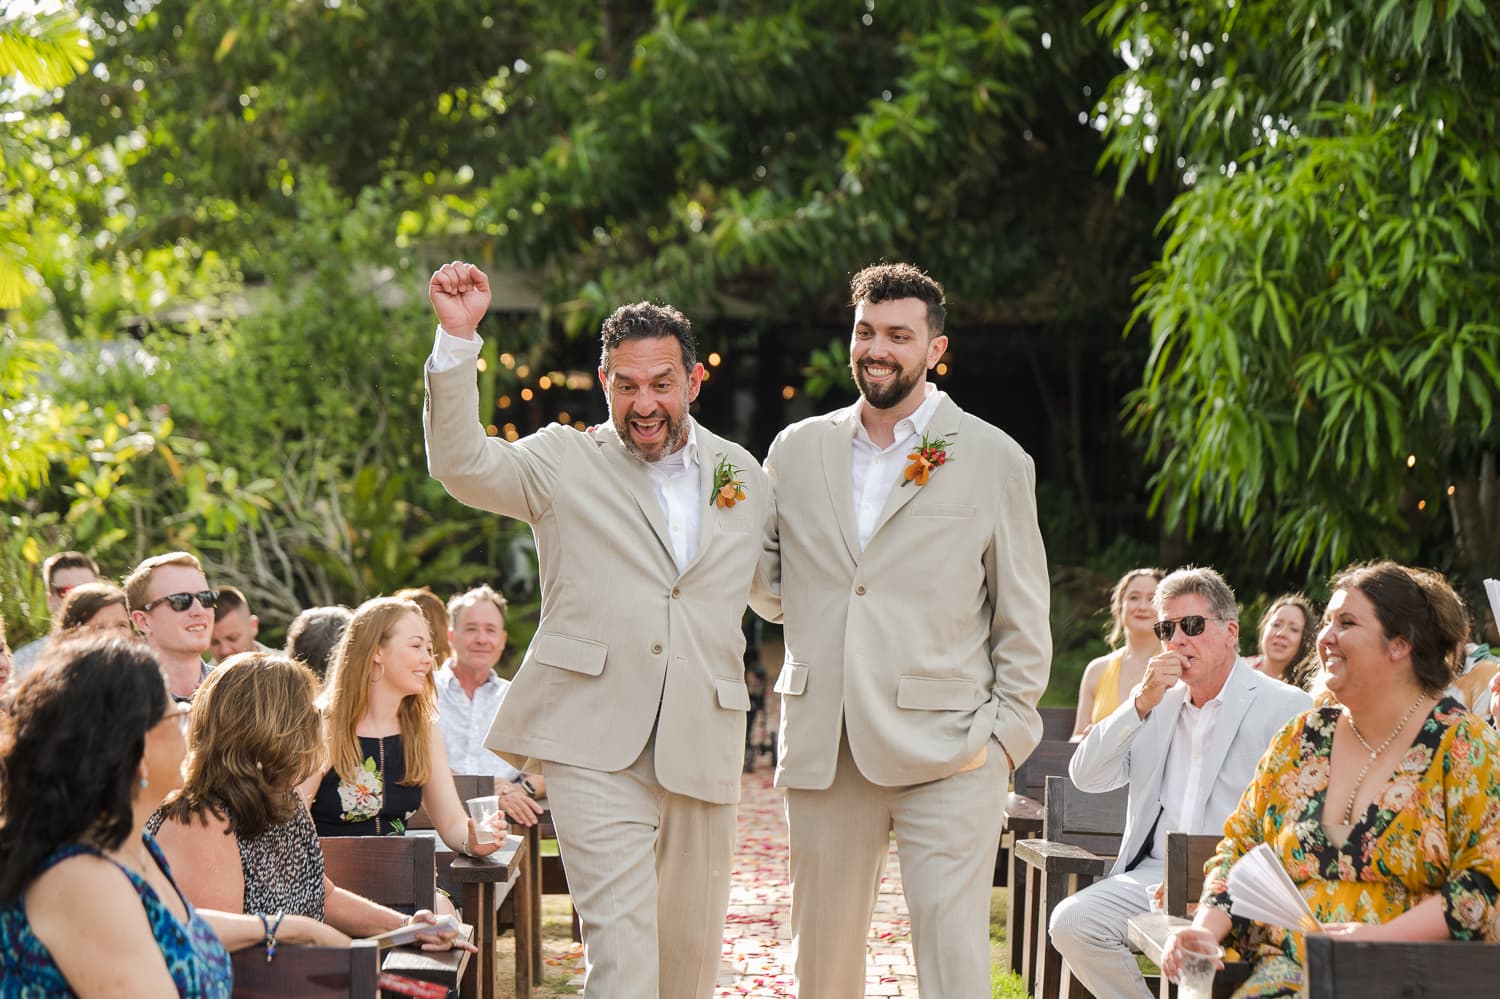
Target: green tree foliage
pixel 1323 318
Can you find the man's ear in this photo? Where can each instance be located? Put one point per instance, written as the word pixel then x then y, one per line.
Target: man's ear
pixel 254 625
pixel 695 381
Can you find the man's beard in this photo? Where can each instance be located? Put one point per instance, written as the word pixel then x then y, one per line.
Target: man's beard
pixel 673 438
pixel 892 392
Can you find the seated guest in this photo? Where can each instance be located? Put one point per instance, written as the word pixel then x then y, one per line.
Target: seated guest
pixel 1385 807
pixel 1105 679
pixel 88 905
pixel 235 627
pixel 93 607
pixel 173 609
pixel 469 693
pixel 436 613
pixel 386 755
pixel 61 571
pixel 236 834
pixel 1185 742
pixel 1286 641
pixel 312 635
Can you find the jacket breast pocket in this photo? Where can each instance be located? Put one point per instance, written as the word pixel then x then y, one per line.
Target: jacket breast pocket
pixel 942 510
pixel 580 655
pixel 793 678
pixel 935 693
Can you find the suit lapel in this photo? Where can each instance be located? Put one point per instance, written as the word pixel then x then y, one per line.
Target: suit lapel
pixel 1154 751
pixel 632 472
pixel 710 452
pixel 944 424
pixel 838 473
pixel 1237 696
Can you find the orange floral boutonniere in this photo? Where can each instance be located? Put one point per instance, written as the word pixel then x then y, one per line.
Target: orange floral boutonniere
pixel 932 452
pixel 728 489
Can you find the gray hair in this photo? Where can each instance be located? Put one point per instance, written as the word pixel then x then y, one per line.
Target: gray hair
pixel 1203 581
pixel 478 595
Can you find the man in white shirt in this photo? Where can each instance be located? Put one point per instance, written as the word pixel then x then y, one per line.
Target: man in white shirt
pixel 905 562
pixel 469 693
pixel 1186 742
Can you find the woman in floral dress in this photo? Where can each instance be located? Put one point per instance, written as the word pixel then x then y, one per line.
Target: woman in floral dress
pixel 385 751
pixel 1385 807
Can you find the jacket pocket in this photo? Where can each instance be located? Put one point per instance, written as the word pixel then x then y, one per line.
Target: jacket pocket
pixel 579 655
pixel 942 510
pixel 733 694
pixel 934 693
pixel 793 678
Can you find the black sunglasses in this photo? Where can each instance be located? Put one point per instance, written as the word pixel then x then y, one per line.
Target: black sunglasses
pixel 1192 626
pixel 179 602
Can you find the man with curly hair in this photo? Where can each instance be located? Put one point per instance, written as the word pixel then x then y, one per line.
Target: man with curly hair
pixel 632 694
pixel 905 561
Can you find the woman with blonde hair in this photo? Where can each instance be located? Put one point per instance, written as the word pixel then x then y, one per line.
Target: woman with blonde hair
pixel 386 757
pixel 1109 678
pixel 236 833
pixel 93 607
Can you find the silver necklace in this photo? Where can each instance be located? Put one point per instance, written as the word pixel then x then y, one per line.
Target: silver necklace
pixel 1374 752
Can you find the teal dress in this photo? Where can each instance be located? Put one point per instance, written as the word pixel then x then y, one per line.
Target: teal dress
pixel 196 959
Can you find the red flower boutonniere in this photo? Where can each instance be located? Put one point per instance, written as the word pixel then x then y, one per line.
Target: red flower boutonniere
pixel 931 453
pixel 728 489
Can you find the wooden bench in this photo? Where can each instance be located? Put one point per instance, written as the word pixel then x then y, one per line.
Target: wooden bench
pixel 1182 884
pixel 1337 969
pixel 351 972
pixel 1023 808
pixel 1080 835
pixel 1057 723
pixel 484 880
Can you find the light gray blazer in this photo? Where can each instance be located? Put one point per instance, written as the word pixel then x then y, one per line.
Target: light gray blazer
pixel 1123 749
pixel 627 642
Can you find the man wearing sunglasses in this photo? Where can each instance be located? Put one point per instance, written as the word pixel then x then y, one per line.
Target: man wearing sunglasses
pixel 1186 744
pixel 60 573
pixel 173 609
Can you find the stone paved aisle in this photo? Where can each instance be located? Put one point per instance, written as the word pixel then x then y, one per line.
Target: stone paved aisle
pixel 757 938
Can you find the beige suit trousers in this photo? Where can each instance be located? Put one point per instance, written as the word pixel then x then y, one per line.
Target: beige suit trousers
pixel 947 835
pixel 648 871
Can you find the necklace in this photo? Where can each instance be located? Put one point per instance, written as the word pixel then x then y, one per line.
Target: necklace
pixel 1375 752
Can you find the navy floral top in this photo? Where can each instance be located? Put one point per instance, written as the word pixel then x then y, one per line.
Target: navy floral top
pixel 197 961
pixel 376 803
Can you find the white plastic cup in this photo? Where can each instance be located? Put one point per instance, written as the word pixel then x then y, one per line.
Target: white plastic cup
pixel 484 810
pixel 1152 902
pixel 1200 961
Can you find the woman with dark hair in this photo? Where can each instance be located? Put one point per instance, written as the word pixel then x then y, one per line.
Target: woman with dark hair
pixel 1109 678
pixel 1288 632
pixel 1385 807
pixel 93 607
pixel 88 906
pixel 313 634
pixel 236 833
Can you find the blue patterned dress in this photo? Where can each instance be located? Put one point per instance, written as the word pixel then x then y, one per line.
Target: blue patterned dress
pixel 197 961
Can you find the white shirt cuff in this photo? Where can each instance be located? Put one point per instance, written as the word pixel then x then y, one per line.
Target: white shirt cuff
pixel 449 351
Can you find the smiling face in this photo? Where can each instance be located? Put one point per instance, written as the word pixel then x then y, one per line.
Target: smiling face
pixel 1208 657
pixel 1282 636
pixel 649 393
pixel 890 351
pixel 478 637
pixel 403 662
pixel 1137 612
pixel 1353 647
pixel 176 633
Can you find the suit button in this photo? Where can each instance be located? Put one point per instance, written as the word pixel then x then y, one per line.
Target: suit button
pixel 676 592
pixel 860 589
pixel 656 649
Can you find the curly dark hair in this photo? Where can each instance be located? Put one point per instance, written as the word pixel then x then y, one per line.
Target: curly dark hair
pixel 642 319
pixel 1419 606
pixel 68 759
pixel 1304 665
pixel 889 282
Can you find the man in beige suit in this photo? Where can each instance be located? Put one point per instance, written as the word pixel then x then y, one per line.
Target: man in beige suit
pixel 904 559
pixel 632 694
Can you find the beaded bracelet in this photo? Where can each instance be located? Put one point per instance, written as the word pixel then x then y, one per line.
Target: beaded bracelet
pixel 271 935
pixel 265 929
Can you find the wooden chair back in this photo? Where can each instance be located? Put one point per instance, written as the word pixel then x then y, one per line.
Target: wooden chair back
pixel 396 871
pixel 1049 759
pixel 1057 723
pixel 1337 969
pixel 1095 822
pixel 1182 881
pixel 351 972
pixel 467 785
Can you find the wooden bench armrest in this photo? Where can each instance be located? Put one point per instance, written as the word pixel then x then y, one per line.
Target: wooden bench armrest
pixel 1060 858
pixel 443 966
pixel 1149 932
pixel 1018 806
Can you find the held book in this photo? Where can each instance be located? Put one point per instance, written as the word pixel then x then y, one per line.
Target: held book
pixel 1260 889
pixel 403 935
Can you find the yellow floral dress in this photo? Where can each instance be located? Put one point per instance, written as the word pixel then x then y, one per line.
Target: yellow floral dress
pixel 1434 829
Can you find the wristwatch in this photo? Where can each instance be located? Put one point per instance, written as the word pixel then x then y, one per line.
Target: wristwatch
pixel 527 786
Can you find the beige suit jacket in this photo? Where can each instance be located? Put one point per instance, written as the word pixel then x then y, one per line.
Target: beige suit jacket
pixel 626 641
pixel 933 640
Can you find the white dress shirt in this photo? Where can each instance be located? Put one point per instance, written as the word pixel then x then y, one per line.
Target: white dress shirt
pixel 1184 785
pixel 465 723
pixel 674 476
pixel 877 470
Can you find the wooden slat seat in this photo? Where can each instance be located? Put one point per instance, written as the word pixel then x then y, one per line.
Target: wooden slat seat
pixel 308 972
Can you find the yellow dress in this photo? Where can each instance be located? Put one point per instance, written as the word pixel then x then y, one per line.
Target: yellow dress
pixel 1435 829
pixel 1107 690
